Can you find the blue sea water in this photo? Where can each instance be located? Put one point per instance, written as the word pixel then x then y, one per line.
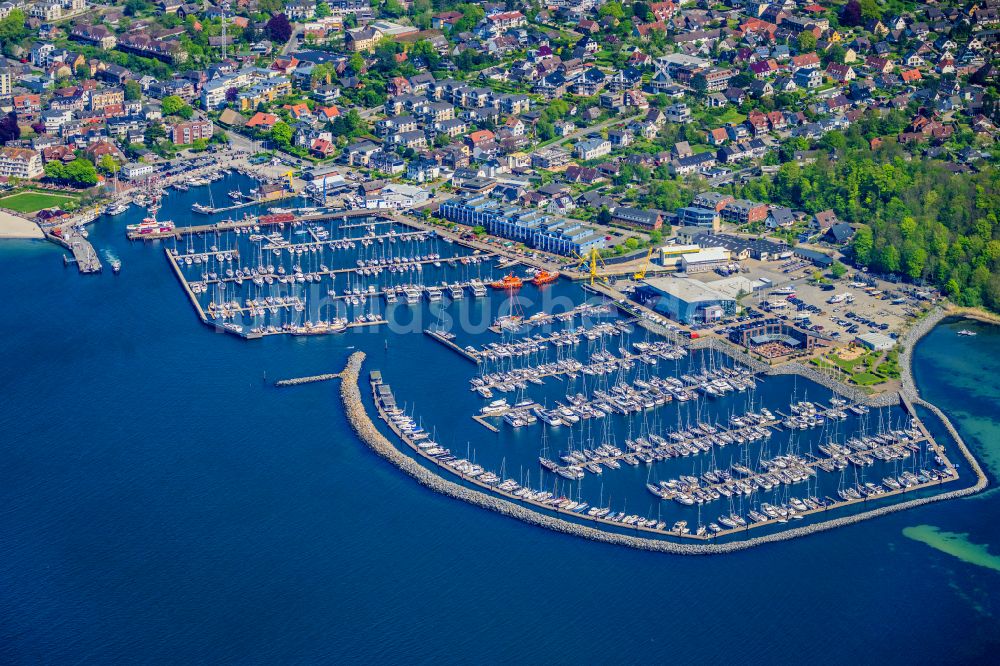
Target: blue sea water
pixel 161 502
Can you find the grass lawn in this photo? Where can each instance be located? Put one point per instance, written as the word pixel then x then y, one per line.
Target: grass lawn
pixel 855 368
pixel 866 379
pixel 32 202
pixel 730 115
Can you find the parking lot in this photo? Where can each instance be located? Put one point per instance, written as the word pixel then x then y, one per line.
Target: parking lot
pixel 844 309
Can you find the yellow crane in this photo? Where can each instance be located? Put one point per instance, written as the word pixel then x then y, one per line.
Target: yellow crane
pixel 641 273
pixel 592 259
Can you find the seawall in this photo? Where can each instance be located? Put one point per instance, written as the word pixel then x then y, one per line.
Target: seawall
pixel 367 431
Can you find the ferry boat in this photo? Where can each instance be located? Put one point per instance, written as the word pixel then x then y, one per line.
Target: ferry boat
pixel 150 226
pixel 545 277
pixel 511 281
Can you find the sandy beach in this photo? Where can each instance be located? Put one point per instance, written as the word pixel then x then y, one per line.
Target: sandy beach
pixel 12 226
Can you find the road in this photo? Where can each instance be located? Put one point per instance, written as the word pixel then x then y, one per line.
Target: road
pixel 586 131
pixel 293 41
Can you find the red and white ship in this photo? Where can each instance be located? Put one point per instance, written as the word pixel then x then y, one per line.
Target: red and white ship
pixel 149 224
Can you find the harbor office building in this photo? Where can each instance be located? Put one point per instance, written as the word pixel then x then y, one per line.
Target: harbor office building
pixel 534 228
pixel 686 300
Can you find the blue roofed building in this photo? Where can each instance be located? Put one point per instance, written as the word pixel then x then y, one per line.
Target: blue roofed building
pixel 534 228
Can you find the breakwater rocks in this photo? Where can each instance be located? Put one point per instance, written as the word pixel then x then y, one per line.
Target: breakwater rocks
pixel 298 381
pixel 366 430
pixel 908 342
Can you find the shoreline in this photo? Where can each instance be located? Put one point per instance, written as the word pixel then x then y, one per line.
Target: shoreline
pixel 14 227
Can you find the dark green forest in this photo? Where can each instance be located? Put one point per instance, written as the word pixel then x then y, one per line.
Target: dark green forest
pixel 919 219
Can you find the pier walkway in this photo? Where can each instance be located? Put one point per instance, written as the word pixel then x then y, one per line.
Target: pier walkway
pixel 229 225
pixel 543 319
pixel 84 255
pixel 443 339
pixel 208 210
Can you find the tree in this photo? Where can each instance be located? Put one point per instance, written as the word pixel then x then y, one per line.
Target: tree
pixel 851 15
pixel 613 8
pixel 806 42
pixel 281 133
pixel 393 9
pixel 471 16
pixel 834 54
pixel 132 90
pixel 356 63
pixel 153 133
pixel 278 29
pixel 83 71
pixel 862 246
pixel 172 105
pixel 870 9
pixel 322 9
pixel 9 129
pixel 79 172
pixel 109 165
pixel 12 31
pixel 838 270
pixel 889 259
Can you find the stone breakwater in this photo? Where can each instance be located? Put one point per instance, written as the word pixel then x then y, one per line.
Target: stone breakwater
pixel 366 430
pixel 908 342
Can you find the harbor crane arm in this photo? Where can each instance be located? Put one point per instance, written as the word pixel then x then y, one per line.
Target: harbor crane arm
pixel 592 259
pixel 641 273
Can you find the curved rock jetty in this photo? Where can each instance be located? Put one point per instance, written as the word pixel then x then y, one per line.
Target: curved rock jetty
pixel 366 430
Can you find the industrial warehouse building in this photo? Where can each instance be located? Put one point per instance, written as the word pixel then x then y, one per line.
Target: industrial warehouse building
pixel 686 300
